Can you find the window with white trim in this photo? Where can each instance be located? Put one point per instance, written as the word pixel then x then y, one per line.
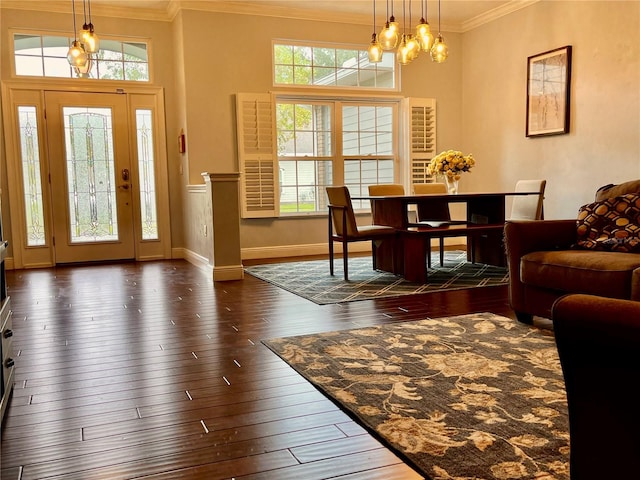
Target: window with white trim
pixel 37 55
pixel 332 142
pixel 331 66
pixel 318 142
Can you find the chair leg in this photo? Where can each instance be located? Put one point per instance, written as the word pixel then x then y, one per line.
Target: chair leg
pixel 330 229
pixel 428 240
pixel 374 248
pixel 441 251
pixel 345 259
pixel 330 257
pixel 473 249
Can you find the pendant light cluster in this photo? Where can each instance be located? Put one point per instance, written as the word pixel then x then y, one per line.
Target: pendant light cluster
pixel 409 45
pixel 85 44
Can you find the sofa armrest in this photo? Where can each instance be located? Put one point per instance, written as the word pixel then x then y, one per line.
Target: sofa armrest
pixel 524 236
pixel 598 340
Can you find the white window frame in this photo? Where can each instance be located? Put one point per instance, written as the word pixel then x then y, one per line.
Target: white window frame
pixel 65 35
pixel 258 158
pixel 355 68
pixel 338 158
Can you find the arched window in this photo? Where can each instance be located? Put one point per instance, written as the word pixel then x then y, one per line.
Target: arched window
pixel 45 55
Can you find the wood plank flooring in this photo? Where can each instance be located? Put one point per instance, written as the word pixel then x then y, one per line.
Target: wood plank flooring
pixel 153 371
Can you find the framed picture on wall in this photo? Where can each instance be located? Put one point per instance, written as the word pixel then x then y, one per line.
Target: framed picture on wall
pixel 548 84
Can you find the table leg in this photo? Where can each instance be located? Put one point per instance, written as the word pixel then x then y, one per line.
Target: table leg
pixel 416 248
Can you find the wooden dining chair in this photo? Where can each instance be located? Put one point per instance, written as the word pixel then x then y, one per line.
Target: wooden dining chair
pixel 435 214
pixel 528 207
pixel 343 220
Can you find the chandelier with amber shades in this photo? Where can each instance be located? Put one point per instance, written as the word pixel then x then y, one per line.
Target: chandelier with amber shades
pixel 85 44
pixel 408 44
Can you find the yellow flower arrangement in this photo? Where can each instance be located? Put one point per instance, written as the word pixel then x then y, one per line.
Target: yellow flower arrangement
pixel 451 163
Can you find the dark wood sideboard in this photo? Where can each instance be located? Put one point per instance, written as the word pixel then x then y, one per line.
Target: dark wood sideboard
pixel 6 332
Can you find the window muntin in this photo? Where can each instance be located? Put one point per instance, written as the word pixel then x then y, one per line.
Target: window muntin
pixel 38 55
pixel 32 183
pixel 146 170
pixel 308 157
pixel 368 147
pixel 90 171
pixel 305 153
pixel 331 67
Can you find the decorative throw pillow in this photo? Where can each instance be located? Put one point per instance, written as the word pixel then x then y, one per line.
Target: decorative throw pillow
pixel 612 224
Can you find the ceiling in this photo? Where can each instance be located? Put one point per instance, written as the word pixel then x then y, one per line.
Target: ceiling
pixel 457 15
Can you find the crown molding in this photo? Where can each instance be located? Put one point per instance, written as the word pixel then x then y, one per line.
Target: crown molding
pixel 243 8
pixel 495 14
pixel 97 9
pixel 173 7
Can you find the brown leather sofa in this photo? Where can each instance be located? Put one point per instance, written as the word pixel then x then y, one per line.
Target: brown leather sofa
pixel 543 266
pixel 598 341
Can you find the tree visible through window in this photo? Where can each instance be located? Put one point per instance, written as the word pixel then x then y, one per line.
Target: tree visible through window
pixel 309 159
pixel 331 67
pixel 46 56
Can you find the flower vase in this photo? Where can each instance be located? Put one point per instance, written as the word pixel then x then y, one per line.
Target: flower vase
pixel 452 184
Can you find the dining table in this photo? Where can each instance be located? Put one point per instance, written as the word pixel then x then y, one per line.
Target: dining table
pixel 406 255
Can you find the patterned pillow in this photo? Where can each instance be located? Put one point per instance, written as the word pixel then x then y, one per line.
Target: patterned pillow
pixel 612 224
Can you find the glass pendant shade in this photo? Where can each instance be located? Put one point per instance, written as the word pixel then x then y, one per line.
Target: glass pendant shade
pixel 76 56
pixel 404 53
pixel 394 26
pixel 375 50
pixel 89 39
pixel 83 72
pixel 439 51
pixel 424 36
pixel 388 37
pixel 413 46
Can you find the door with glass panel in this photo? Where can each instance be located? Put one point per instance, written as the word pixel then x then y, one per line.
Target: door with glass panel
pixel 91 180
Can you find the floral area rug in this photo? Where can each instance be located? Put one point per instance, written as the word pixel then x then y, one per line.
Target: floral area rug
pixel 312 281
pixel 475 396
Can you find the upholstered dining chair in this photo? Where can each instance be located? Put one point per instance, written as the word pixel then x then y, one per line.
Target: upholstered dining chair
pixel 386 189
pixel 342 218
pixel 528 207
pixel 436 214
pixel 383 189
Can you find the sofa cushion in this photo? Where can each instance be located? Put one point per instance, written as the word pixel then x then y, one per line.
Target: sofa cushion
pixel 608 274
pixel 612 190
pixel 611 224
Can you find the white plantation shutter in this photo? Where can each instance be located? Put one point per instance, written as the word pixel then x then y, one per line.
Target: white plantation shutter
pixel 257 156
pixel 422 137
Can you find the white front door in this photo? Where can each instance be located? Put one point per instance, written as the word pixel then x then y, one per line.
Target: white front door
pixel 91 180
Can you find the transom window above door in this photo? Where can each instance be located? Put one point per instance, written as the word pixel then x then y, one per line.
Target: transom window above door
pixel 45 55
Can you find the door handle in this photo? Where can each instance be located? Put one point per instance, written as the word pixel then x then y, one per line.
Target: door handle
pixel 125 174
pixel 124 186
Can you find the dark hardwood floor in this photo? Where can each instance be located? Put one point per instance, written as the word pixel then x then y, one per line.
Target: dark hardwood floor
pixel 152 370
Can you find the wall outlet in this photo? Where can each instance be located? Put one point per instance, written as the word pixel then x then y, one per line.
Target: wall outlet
pixel 204 230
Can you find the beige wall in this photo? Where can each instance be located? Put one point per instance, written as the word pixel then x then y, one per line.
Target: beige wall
pixel 161 35
pixel 603 145
pixel 214 78
pixel 203 59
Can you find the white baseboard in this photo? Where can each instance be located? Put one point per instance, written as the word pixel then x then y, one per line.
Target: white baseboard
pixel 286 251
pixel 192 257
pixel 227 273
pixel 218 274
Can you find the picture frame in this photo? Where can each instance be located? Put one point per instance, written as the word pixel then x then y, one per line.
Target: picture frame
pixel 548 92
